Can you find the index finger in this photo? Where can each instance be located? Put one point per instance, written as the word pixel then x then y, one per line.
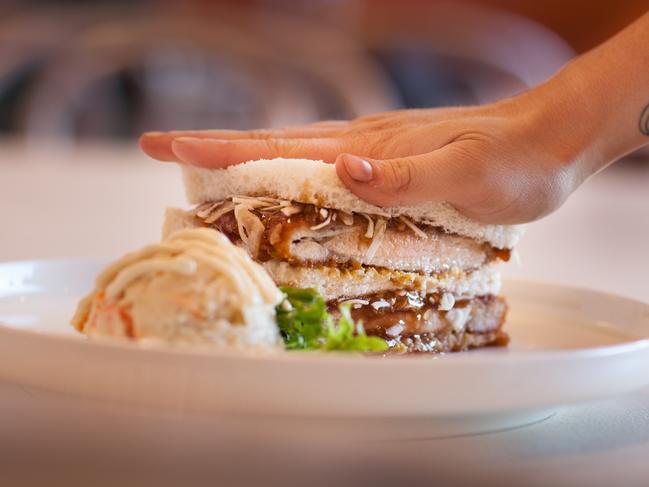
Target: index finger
pixel 158 144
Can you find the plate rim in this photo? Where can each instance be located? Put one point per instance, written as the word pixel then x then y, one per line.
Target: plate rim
pixel 477 356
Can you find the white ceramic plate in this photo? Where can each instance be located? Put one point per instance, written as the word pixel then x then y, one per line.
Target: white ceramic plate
pixel 568 345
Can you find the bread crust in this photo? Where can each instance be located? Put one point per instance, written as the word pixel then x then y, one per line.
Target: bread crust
pixel 316 182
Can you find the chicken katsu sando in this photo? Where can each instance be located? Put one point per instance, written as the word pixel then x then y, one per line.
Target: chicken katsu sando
pixel 423 278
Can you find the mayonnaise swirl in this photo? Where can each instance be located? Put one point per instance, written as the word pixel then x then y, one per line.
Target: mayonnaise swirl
pixel 182 253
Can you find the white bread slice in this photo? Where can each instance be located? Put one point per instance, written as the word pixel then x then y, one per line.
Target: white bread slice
pixel 334 283
pixel 316 182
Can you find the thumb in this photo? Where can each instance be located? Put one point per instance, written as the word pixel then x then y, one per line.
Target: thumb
pixel 403 181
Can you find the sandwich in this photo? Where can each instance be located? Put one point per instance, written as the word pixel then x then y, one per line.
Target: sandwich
pixel 423 278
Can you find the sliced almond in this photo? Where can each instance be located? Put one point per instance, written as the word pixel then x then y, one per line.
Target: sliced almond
pixel 270 209
pixel 381 303
pixel 251 229
pixel 226 207
pixel 265 199
pixel 377 239
pixel 369 233
pixel 256 201
pixel 346 218
pixel 446 302
pixel 291 210
pixel 356 303
pixel 322 225
pixel 416 230
pixel 204 210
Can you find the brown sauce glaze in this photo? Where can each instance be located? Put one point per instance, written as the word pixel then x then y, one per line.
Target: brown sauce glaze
pixel 425 328
pixel 449 342
pixel 279 231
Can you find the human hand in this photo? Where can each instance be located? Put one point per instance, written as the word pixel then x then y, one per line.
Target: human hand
pixel 490 162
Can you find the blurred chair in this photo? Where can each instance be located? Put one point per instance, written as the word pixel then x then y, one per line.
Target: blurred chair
pixel 235 70
pixel 159 73
pixel 459 52
pixel 115 72
pixel 28 37
pixel 334 57
pixel 25 41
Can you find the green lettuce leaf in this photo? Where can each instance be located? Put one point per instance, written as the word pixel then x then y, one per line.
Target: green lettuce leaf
pixel 305 324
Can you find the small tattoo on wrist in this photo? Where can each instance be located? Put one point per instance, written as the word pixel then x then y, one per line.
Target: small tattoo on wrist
pixel 643 123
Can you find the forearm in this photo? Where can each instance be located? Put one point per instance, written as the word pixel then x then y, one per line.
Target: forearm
pixel 603 98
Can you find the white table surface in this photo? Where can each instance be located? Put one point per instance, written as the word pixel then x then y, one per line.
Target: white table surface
pixel 102 201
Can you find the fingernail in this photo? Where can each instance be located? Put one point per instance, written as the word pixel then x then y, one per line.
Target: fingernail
pixel 179 144
pixel 359 169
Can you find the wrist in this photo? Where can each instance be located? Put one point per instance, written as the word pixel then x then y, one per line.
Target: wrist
pixel 579 121
pixel 606 91
pixel 562 125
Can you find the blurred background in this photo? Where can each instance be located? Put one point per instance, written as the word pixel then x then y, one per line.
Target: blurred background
pixel 80 80
pixel 78 70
